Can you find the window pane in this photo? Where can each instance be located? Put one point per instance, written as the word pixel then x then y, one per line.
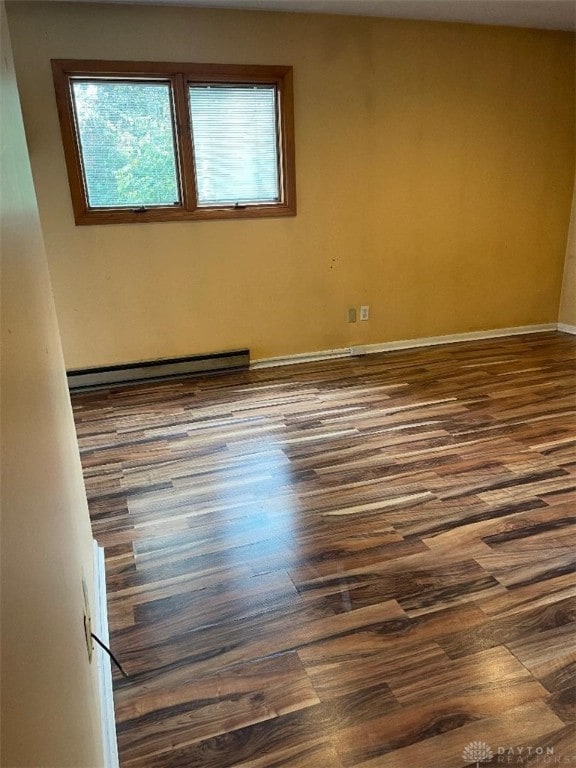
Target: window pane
pixel 127 143
pixel 235 144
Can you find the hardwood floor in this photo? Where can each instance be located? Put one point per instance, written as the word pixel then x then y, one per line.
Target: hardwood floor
pixel 363 562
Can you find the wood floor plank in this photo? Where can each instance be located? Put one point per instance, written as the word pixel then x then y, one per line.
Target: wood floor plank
pixel 276 742
pixel 493 670
pixel 332 678
pixel 529 723
pixel 547 651
pixel 525 627
pixel 205 707
pixel 417 723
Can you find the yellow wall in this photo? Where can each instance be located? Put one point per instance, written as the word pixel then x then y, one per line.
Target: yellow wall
pixel 435 165
pixel 567 312
pixel 50 713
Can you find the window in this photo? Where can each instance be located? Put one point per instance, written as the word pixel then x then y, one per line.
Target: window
pixel 163 142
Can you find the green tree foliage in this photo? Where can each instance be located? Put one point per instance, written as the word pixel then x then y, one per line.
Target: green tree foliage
pixel 127 143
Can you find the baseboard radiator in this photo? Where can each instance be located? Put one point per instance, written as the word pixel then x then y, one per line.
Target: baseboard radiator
pixel 82 378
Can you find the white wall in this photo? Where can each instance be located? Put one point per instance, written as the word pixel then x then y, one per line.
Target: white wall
pixel 50 715
pixel 567 313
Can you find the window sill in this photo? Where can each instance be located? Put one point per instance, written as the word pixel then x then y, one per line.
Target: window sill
pixel 84 218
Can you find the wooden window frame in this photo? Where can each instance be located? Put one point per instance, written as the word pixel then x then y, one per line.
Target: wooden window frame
pixel 179 76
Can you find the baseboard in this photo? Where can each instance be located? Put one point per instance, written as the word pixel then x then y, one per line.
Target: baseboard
pixel 305 357
pixel 100 628
pixel 388 346
pixel 566 328
pixel 126 373
pixel 454 338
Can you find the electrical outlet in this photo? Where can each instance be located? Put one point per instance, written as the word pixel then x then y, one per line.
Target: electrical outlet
pixel 365 313
pixel 352 315
pixel 87 620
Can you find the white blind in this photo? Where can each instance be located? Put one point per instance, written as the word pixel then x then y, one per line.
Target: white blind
pixel 235 144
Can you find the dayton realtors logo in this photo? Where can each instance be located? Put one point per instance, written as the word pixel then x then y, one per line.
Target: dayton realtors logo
pixel 477 752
